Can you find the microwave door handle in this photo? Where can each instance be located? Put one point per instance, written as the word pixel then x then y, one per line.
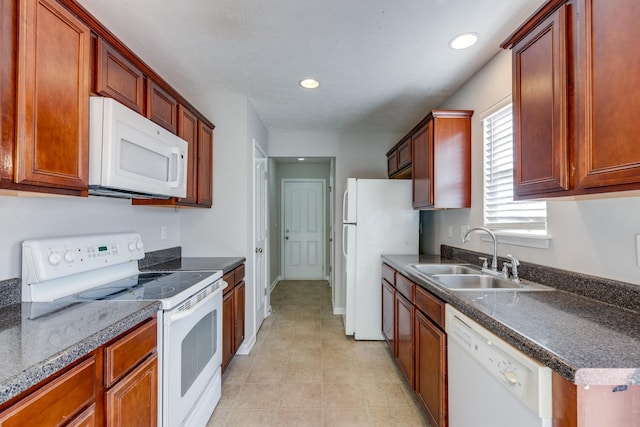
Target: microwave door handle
pixel 175 167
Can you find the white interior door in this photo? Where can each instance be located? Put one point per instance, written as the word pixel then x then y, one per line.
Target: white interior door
pixel 303 210
pixel 260 235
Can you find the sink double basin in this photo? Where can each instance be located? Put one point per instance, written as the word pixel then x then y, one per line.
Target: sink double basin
pixel 458 277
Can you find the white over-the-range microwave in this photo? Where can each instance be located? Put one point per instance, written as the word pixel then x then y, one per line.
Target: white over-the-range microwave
pixel 131 156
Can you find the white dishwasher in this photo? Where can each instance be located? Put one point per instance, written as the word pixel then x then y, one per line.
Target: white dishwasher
pixel 491 384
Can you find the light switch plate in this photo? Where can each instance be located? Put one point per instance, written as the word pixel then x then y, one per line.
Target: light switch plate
pixel 450 232
pixel 638 250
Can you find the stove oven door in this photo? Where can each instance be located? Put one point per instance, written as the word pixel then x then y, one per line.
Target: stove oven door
pixel 192 358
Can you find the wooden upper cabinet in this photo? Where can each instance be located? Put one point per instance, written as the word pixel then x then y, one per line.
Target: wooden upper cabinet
pixel 205 165
pixel 52 109
pixel 118 78
pixel 576 89
pixel 162 107
pixel 609 94
pixel 399 159
pixel 188 130
pixel 442 160
pixel 540 106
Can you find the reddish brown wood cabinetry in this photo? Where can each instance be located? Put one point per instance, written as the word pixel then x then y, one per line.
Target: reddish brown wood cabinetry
pixel 404 329
pixel 233 305
pixel 123 372
pixel 45 98
pixel 576 91
pixel 388 314
pixel 118 78
pixel 442 160
pixel 205 162
pixel 399 159
pixel 420 343
pixel 162 107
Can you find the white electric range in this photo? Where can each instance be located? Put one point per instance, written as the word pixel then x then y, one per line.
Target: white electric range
pixel 105 267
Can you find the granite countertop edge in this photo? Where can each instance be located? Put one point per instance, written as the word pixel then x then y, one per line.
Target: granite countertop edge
pixel 225 264
pixel 576 374
pixel 14 385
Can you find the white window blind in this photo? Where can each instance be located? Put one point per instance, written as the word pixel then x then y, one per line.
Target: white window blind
pixel 500 211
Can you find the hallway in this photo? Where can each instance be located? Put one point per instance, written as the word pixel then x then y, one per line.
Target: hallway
pixel 303 371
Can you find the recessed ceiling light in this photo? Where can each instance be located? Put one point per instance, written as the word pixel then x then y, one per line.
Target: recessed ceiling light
pixel 463 41
pixel 309 83
pixel 300 158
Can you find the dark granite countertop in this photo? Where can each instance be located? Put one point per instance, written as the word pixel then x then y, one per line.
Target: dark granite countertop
pixel 584 340
pixel 39 339
pixel 225 264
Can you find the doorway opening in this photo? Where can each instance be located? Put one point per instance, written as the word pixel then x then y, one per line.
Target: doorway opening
pixel 302 200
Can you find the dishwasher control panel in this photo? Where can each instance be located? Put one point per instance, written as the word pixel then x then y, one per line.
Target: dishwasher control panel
pixel 520 374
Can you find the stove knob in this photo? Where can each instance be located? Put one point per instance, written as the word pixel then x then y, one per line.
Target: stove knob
pixel 139 245
pixel 132 247
pixel 54 258
pixel 69 256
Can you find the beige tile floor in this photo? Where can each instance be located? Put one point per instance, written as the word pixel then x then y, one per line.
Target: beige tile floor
pixel 303 371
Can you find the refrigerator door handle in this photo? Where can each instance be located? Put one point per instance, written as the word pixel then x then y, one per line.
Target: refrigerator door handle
pixel 344 240
pixel 344 205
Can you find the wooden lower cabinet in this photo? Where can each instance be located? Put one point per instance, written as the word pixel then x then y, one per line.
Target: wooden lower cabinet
pixel 415 318
pixel 233 310
pixel 133 401
pixel 404 328
pixel 388 310
pixel 83 396
pixel 431 369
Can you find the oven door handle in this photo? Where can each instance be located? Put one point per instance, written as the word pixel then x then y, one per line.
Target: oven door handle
pixel 179 315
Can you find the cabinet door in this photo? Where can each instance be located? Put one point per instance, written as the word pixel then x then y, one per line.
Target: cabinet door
pixel 404 337
pixel 162 107
pixel 133 401
pixel 388 294
pixel 117 78
pixel 239 315
pixel 392 163
pixel 228 328
pixel 422 143
pixel 188 130
pixel 57 401
pixel 540 109
pixel 52 117
pixel 205 165
pixel 609 125
pixel 87 418
pixel 404 154
pixel 431 369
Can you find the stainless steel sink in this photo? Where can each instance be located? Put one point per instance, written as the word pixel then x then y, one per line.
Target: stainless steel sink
pixel 431 269
pixel 471 282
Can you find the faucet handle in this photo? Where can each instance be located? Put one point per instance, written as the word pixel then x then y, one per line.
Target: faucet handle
pixel 513 259
pixel 485 261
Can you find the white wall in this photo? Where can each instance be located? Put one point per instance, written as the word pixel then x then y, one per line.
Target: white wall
pixel 37 217
pixel 227 228
pixel 594 237
pixel 358 155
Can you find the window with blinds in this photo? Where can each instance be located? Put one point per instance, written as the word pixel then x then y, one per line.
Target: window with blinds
pixel 500 211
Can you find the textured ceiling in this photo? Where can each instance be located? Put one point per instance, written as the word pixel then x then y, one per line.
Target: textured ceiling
pixel 381 64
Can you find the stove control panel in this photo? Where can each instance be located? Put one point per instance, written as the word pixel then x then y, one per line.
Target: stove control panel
pixel 47 259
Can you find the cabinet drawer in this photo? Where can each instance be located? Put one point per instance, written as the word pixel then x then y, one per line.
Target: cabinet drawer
pixel 406 287
pixel 239 274
pixel 431 306
pixel 389 274
pixel 128 351
pixel 229 278
pixel 57 401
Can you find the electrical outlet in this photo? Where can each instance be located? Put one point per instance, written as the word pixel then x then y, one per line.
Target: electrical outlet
pixel 163 232
pixel 450 232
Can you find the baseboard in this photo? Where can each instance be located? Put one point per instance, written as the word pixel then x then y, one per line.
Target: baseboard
pixel 274 283
pixel 246 346
pixel 339 311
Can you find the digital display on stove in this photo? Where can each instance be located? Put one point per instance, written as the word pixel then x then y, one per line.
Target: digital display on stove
pixel 102 248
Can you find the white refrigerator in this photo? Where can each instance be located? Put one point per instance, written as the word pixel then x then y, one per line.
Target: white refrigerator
pixel 377 218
